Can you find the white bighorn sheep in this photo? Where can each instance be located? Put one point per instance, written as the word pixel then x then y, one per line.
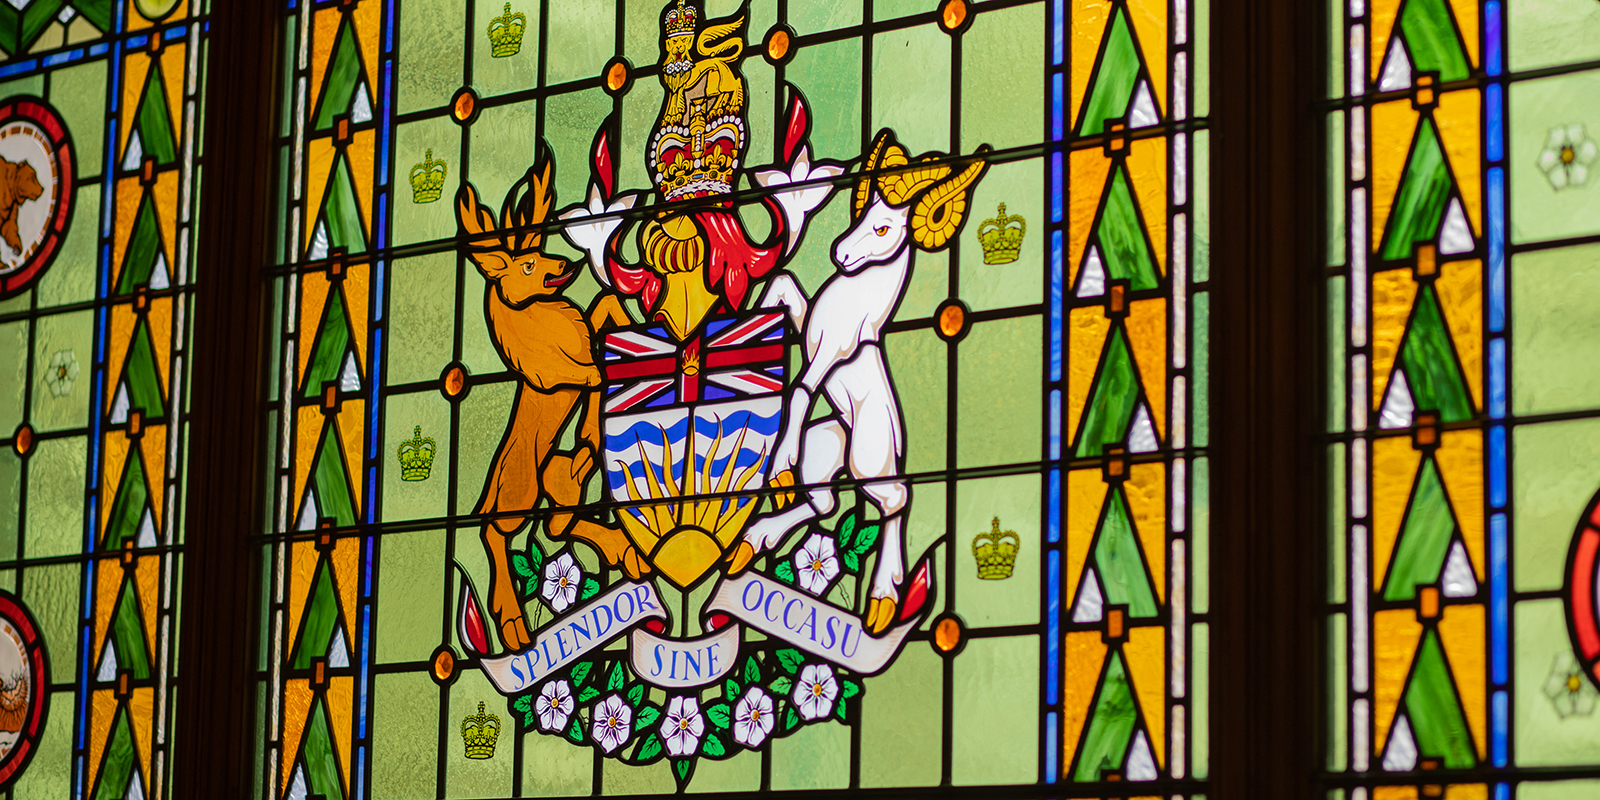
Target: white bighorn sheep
pixel 899 203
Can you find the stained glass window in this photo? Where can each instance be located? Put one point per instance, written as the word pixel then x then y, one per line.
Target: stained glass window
pixel 99 113
pixel 1461 454
pixel 592 473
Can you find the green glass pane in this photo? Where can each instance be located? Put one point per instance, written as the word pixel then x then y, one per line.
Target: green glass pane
pixel 344 82
pixel 117 770
pixel 131 507
pixel 331 481
pixel 1112 401
pixel 332 346
pixel 1435 712
pixel 144 253
pixel 1425 189
pixel 1123 243
pixel 1120 560
pixel 139 378
pixel 322 617
pixel 1429 360
pixel 1111 725
pixel 1424 536
pixel 340 222
pixel 321 766
pixel 153 121
pixel 1111 88
pixel 127 631
pixel 1430 35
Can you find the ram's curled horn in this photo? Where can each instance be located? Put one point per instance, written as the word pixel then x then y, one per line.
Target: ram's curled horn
pixel 899 187
pixel 864 186
pixel 939 210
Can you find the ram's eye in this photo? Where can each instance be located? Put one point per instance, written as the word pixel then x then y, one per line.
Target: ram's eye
pixel 883 231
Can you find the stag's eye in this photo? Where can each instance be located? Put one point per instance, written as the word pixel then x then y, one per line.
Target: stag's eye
pixel 527 267
pixel 883 231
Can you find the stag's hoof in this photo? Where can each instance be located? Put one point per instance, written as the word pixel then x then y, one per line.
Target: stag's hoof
pixel 880 614
pixel 783 479
pixel 740 558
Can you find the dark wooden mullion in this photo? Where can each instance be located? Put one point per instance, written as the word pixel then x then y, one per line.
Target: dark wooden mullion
pixel 1267 540
pixel 212 734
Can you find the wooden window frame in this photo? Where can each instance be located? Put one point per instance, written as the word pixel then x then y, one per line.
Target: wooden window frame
pixel 1268 531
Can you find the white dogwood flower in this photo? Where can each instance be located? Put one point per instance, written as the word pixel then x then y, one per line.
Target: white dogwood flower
pixel 1568 689
pixel 816 563
pixel 1568 154
pixel 61 373
pixel 683 726
pixel 561 579
pixel 613 722
pixel 554 706
pixel 815 692
pixel 752 718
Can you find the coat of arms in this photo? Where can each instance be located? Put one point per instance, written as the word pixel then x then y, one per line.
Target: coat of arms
pixel 747 435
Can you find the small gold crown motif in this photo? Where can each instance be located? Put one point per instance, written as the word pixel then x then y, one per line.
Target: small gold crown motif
pixel 427 179
pixel 680 21
pixel 416 457
pixel 505 33
pixel 479 732
pixel 1001 237
pixel 997 554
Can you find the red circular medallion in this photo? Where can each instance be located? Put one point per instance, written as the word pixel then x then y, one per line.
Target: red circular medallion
pixel 24 678
pixel 36 185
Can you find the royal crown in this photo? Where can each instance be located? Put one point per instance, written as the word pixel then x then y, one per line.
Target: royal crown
pixel 427 179
pixel 1001 237
pixel 416 457
pixel 996 550
pixel 680 21
pixel 480 731
pixel 505 33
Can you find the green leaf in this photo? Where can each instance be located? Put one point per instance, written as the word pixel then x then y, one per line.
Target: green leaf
pixel 636 695
pixel 575 733
pixel 719 715
pixel 648 749
pixel 847 531
pixel 589 693
pixel 849 688
pixel 580 671
pixel 838 710
pixel 681 766
pixel 591 587
pixel 752 670
pixel 531 588
pixel 730 690
pixel 522 703
pixel 781 685
pixel 618 678
pixel 851 560
pixel 784 572
pixel 866 538
pixel 647 717
pixel 535 557
pixel 519 563
pixel 712 746
pixel 791 659
pixel 791 719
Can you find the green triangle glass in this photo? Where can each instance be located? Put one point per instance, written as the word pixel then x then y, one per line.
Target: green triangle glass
pixel 144 385
pixel 130 505
pixel 1437 721
pixel 331 481
pixel 1111 87
pixel 120 761
pixel 144 248
pixel 157 135
pixel 343 78
pixel 331 347
pixel 1113 398
pixel 1124 247
pixel 316 755
pixel 128 631
pixel 341 216
pixel 1431 38
pixel 1429 359
pixel 1119 559
pixel 1419 203
pixel 321 617
pixel 1111 723
pixel 1424 536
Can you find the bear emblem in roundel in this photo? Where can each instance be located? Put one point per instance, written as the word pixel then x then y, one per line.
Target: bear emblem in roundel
pixel 36 186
